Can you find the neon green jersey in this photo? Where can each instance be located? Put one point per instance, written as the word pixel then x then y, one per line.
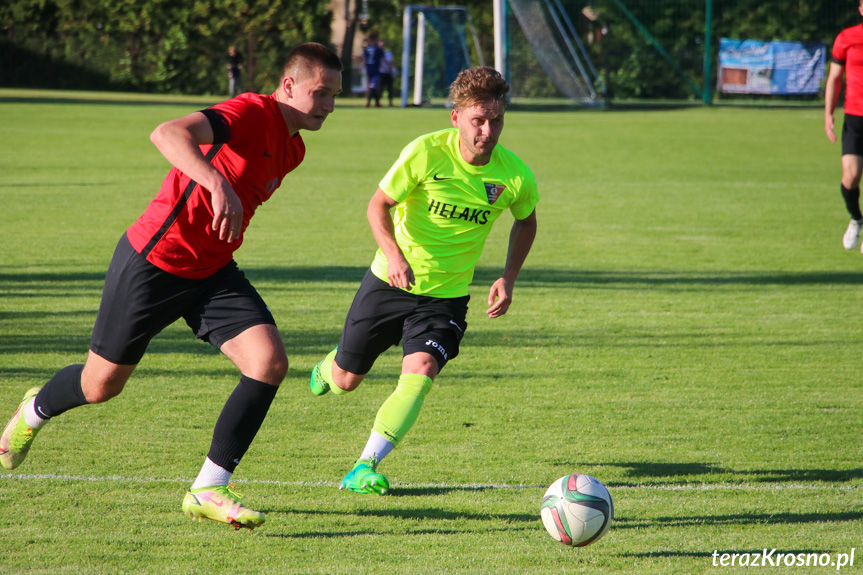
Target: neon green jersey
pixel 447 207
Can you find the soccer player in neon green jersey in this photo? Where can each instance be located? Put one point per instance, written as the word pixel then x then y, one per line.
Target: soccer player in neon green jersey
pixel 430 217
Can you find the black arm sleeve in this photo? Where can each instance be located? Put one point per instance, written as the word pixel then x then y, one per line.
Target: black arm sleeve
pixel 221 129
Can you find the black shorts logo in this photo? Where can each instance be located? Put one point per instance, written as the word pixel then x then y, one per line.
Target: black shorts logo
pixel 438 347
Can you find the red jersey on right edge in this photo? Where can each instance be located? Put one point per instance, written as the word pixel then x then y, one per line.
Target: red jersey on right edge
pixel 848 52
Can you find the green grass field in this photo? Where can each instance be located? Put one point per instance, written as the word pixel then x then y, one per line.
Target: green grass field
pixel 686 330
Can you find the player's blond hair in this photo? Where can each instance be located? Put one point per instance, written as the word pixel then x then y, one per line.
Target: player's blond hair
pixel 476 85
pixel 305 58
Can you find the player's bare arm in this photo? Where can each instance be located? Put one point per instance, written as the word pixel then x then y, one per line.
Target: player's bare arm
pixel 178 141
pixel 831 96
pixel 399 272
pixel 521 238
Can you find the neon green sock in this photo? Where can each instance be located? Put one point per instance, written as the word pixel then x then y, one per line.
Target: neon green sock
pixel 400 411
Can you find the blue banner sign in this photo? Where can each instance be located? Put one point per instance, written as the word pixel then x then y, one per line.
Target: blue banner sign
pixel 756 67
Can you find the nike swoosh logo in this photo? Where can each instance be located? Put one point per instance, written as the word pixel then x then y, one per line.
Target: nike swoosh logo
pixel 215 502
pixel 437 179
pixel 456 325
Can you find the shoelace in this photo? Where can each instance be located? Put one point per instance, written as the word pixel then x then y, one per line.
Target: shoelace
pixel 231 491
pixel 373 462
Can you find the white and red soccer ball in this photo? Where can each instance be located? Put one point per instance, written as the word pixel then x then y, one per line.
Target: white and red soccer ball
pixel 577 510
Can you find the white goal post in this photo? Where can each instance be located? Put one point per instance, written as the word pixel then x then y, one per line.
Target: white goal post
pixel 555 49
pixel 462 57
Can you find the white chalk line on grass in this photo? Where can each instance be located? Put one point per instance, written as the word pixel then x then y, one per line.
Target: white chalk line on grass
pixel 465 487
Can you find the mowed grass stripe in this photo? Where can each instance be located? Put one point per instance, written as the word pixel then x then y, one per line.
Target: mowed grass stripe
pixel 464 487
pixel 684 330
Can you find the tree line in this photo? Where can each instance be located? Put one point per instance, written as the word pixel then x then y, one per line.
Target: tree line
pixel 170 46
pixel 166 46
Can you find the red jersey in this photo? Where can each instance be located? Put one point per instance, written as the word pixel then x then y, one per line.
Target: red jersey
pixel 848 52
pixel 175 231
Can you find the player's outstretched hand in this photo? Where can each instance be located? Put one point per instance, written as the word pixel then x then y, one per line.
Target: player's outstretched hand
pixel 499 298
pixel 227 214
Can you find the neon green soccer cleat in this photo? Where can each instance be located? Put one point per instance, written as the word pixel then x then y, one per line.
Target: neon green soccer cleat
pixel 221 503
pixel 364 479
pixel 17 435
pixel 317 383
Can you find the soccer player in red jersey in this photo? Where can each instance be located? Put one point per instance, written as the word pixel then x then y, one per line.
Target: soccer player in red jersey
pixel 847 60
pixel 176 261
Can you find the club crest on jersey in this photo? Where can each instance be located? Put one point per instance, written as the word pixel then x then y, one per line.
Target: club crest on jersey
pixel 493 191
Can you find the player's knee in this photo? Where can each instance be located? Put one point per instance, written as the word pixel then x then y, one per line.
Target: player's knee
pixel 420 363
pixel 102 380
pixel 100 391
pixel 851 174
pixel 349 382
pixel 345 380
pixel 269 364
pixel 851 180
pixel 270 370
pixel 277 369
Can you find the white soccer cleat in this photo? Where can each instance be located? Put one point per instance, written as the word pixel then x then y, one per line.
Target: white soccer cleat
pixel 852 235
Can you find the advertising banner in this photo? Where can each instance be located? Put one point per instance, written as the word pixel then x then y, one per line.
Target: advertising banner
pixel 756 67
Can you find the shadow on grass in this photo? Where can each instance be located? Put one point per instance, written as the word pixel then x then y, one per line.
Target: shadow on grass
pixel 421 514
pixel 73 286
pixel 671 554
pixel 177 340
pixel 120 99
pixel 738 519
pixel 435 491
pixel 719 552
pixel 512 522
pixel 33 283
pixel 601 106
pixel 650 472
pixel 408 531
pixel 60 184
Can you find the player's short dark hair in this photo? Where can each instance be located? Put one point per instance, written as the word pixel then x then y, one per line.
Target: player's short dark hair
pixel 308 56
pixel 476 85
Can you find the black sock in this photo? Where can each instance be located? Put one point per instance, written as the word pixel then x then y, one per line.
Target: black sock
pixel 62 393
pixel 239 422
pixel 852 202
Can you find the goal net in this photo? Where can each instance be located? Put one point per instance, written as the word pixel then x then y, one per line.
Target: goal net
pixel 439 37
pixel 545 56
pixel 545 39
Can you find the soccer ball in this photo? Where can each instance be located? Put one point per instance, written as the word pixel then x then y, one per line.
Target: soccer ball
pixel 576 510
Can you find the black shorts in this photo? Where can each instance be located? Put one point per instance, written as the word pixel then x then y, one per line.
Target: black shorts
pixel 382 315
pixel 852 135
pixel 140 300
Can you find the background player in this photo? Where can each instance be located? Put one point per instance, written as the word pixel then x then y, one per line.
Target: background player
pixel 177 261
pixel 447 189
pixel 847 59
pixel 372 56
pixel 234 63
